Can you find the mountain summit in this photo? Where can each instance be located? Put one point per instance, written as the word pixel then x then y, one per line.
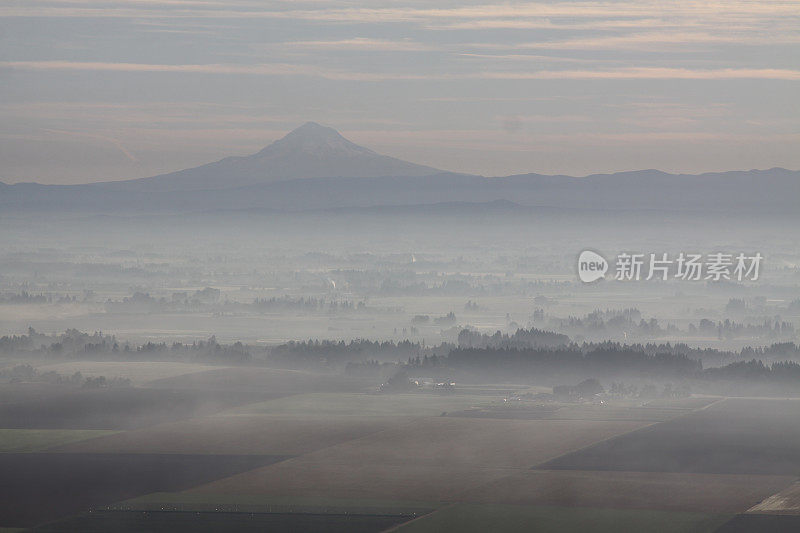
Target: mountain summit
pixel 313 140
pixel 310 151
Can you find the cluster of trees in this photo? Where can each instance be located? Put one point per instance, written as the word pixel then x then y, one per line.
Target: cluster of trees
pixel 426 363
pixel 24 297
pixel 613 360
pixel 446 320
pixel 208 299
pixel 787 350
pixel 530 353
pixel 600 324
pixel 374 368
pixel 599 319
pixel 471 306
pixel 394 287
pixel 210 351
pixel 399 382
pixel 752 377
pixel 71 341
pixel 142 302
pixel 75 344
pixel 369 369
pixel 306 305
pixel 602 360
pixel 28 374
pixel 603 324
pixel 336 354
pixel 647 391
pixel 739 306
pixel 728 329
pixel 522 338
pixel 585 389
pixel 786 372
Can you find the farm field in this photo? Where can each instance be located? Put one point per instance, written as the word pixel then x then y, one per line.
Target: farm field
pixel 785 502
pixel 703 493
pixel 691 402
pixel 259 503
pixel 354 481
pixel 367 404
pixel 431 459
pixel 378 267
pixel 258 450
pixel 454 442
pixel 34 440
pixel 22 391
pixel 38 487
pixel 176 521
pixel 487 464
pixel 512 518
pixel 234 434
pixel 276 382
pixel 735 436
pixel 745 523
pixel 634 412
pixel 118 408
pixel 139 372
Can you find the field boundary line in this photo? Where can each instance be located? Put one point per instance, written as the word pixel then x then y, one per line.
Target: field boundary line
pixel 715 402
pixel 534 467
pixel 398 526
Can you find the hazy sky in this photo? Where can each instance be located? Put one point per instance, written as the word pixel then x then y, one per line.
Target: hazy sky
pixel 93 90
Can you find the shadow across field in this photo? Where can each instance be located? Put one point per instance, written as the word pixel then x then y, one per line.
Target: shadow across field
pixel 276 382
pixel 700 493
pixel 39 487
pixel 122 408
pixel 199 522
pixel 479 518
pixel 736 436
pixel 747 523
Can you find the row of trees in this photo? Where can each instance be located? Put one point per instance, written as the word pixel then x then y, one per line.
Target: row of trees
pixel 605 360
pixel 524 354
pixel 75 344
pixel 28 374
pixel 522 338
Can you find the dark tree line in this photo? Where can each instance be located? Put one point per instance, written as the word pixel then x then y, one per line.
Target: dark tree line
pixel 74 344
pixel 525 354
pixel 335 354
pixel 600 360
pixel 522 338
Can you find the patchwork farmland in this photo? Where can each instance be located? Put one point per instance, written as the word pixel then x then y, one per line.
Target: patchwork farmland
pixel 267 450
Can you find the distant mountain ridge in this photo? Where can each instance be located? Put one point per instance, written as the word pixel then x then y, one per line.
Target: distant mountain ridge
pixel 310 151
pixel 745 192
pixel 339 174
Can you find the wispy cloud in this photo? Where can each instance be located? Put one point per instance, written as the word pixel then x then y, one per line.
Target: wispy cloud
pixel 661 40
pixel 211 68
pixel 287 69
pixel 361 43
pixel 538 67
pixel 115 142
pixel 393 11
pixel 652 73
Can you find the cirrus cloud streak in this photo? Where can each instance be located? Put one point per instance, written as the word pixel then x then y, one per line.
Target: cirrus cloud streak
pixel 287 69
